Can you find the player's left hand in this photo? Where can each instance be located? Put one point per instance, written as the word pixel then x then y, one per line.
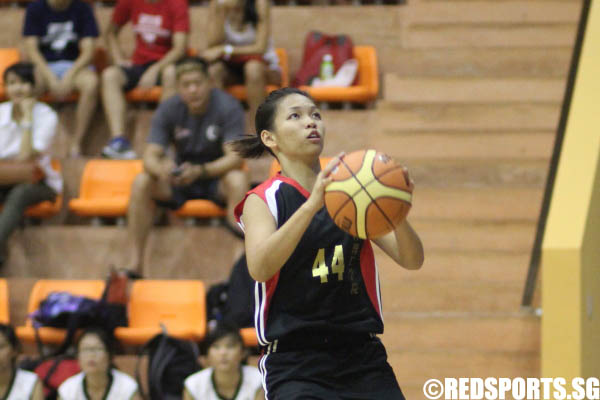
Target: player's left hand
pixel 148 79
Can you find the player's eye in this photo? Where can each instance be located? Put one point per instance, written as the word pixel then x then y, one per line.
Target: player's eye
pixel 316 115
pixel 294 116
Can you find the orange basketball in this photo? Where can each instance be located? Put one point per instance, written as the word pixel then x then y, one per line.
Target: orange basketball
pixel 369 195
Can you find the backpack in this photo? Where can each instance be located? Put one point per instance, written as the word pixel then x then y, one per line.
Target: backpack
pixel 233 300
pixel 170 361
pixel 316 45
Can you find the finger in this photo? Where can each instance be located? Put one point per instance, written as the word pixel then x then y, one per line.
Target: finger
pixel 333 163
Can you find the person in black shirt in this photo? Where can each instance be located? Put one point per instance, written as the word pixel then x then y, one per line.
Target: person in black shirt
pixel 318 306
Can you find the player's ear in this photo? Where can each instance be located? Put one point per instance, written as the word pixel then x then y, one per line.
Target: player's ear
pixel 268 139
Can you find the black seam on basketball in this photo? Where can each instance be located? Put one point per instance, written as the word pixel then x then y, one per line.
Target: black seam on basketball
pixel 371 197
pixel 386 172
pixel 351 197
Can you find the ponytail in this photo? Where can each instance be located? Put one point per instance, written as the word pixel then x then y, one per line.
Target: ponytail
pixel 250 146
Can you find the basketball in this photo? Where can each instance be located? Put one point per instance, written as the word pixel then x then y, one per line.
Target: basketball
pixel 369 195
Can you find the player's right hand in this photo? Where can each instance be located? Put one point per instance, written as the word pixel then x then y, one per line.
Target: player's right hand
pixel 316 200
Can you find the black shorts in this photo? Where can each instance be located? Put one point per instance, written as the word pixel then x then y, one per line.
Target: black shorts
pixel 201 189
pixel 133 75
pixel 356 370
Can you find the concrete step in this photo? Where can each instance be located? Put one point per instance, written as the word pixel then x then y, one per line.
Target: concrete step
pixel 399 89
pixel 504 267
pixel 447 235
pixel 449 36
pixel 396 118
pixel 477 62
pixel 414 368
pixel 483 332
pixel 495 12
pixel 452 146
pixel 497 204
pixel 477 173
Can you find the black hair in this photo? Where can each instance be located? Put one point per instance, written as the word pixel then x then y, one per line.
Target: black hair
pixel 195 62
pixel 9 333
pixel 24 70
pixel 223 329
pixel 251 146
pixel 250 14
pixel 105 337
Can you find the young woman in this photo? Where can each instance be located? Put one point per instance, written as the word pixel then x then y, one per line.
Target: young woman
pixel 225 377
pixel 240 48
pixel 98 379
pixel 27 129
pixel 15 383
pixel 318 330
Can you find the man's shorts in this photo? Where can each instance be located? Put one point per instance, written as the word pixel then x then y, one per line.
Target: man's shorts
pixel 60 68
pixel 134 73
pixel 201 189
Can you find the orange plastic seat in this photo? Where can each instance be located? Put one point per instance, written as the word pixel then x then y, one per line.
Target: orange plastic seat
pixel 89 288
pixel 178 304
pixel 200 208
pixel 239 91
pixel 4 306
pixel 275 167
pixel 47 209
pixel 8 56
pixel 105 188
pixel 249 337
pixel 366 87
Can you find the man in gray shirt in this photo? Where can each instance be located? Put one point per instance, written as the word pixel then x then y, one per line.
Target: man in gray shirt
pixel 198 121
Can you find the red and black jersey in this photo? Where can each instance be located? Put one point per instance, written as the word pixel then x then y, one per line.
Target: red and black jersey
pixel 330 282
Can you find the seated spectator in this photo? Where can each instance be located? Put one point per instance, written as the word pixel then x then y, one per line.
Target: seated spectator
pixel 27 128
pixel 161 28
pixel 225 377
pixel 240 48
pixel 98 378
pixel 15 383
pixel 200 122
pixel 59 40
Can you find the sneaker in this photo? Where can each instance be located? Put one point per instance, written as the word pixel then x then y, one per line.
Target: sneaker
pixel 119 148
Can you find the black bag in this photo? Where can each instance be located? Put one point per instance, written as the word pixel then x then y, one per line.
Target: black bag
pixel 233 300
pixel 170 361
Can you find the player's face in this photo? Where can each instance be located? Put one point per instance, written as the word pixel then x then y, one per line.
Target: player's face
pixel 298 127
pixel 7 353
pixel 194 88
pixel 226 354
pixel 16 88
pixel 92 355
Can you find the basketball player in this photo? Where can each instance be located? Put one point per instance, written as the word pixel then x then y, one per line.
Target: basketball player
pixel 318 306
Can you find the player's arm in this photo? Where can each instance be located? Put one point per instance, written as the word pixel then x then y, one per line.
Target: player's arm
pixel 260 394
pixel 268 248
pixel 403 245
pixel 155 161
pixel 175 53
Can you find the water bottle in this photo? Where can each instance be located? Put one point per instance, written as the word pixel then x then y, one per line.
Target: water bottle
pixel 326 71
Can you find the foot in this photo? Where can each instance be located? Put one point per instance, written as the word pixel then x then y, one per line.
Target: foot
pixel 119 148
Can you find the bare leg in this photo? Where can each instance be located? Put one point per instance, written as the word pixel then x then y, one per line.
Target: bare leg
pixel 86 82
pixel 234 187
pixel 255 78
pixel 169 82
pixel 113 99
pixel 140 216
pixel 218 72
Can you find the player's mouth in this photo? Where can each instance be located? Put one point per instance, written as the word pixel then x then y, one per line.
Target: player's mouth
pixel 314 136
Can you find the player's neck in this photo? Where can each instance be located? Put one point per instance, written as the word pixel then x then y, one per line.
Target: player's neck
pixel 226 382
pixel 301 172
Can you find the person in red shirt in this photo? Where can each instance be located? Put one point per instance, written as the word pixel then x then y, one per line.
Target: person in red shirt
pixel 161 31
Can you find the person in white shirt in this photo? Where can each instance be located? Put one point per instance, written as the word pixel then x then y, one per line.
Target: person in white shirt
pixel 27 128
pixel 15 383
pixel 98 379
pixel 226 377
